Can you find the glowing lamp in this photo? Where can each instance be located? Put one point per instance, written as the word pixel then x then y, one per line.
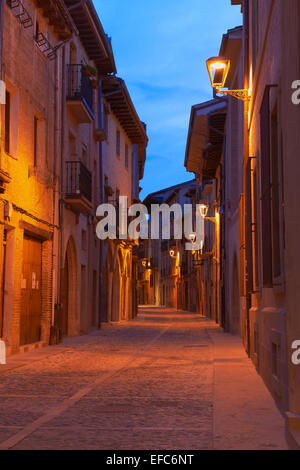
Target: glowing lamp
pixel 192 237
pixel 218 68
pixel 203 210
pixel 172 253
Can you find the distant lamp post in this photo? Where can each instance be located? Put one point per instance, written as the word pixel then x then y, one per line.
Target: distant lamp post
pixel 192 237
pixel 144 263
pixel 172 253
pixel 218 68
pixel 196 249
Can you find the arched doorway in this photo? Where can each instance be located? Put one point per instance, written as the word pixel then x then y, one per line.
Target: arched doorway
pixel 126 287
pixel 68 292
pixel 235 306
pixel 116 293
pixel 106 287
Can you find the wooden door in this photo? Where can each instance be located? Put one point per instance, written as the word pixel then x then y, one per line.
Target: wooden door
pixel 30 321
pixel 64 299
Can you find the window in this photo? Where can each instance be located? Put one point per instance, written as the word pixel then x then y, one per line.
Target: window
pixel 255 229
pixel 118 143
pixel 35 140
pixel 84 155
pixel 266 223
pixel 39 140
pixel 72 147
pixel 275 195
pixel 73 54
pixel 37 29
pixel 11 122
pixel 126 156
pixel 7 121
pixel 83 240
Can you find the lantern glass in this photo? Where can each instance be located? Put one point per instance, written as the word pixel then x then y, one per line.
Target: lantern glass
pixel 192 237
pixel 218 69
pixel 203 210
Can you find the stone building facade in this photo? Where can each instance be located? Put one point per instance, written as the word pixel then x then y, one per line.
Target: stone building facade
pixel 29 218
pixel 255 188
pixel 65 110
pixel 123 155
pixel 204 158
pixel 166 269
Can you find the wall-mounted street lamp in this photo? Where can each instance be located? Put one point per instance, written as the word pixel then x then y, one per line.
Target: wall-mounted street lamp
pixel 218 68
pixel 192 237
pixel 204 210
pixel 172 253
pixel 196 248
pixel 146 264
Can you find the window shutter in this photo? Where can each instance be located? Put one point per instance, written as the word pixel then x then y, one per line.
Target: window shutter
pixel 242 246
pixel 248 229
pixel 7 123
pixel 266 224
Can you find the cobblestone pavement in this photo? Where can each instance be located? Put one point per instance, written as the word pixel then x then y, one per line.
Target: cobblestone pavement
pixel 167 380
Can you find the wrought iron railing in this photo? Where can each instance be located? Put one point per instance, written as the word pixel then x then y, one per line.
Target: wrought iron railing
pixel 79 85
pixel 79 181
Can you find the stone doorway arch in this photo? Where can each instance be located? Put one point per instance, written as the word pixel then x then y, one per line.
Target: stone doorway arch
pixel 106 288
pixel 69 292
pixel 116 292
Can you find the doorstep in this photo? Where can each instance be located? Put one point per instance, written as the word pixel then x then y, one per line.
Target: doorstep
pixel 28 354
pixel 32 347
pixel 25 348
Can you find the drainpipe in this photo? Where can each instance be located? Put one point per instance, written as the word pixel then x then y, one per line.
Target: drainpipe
pixel 223 239
pixel 61 179
pixel 52 325
pixel 101 192
pixel 54 336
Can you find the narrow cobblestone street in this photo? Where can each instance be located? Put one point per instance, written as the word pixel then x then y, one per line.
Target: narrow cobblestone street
pixel 167 380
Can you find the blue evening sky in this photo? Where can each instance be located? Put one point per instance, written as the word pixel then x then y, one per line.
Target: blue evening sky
pixel 160 49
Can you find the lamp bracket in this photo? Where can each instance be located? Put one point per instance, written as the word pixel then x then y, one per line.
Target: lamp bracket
pixel 239 94
pixel 211 219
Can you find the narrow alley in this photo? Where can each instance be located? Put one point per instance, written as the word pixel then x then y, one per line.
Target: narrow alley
pixel 166 380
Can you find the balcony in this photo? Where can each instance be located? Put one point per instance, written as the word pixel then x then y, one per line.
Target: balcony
pixel 78 193
pixel 80 94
